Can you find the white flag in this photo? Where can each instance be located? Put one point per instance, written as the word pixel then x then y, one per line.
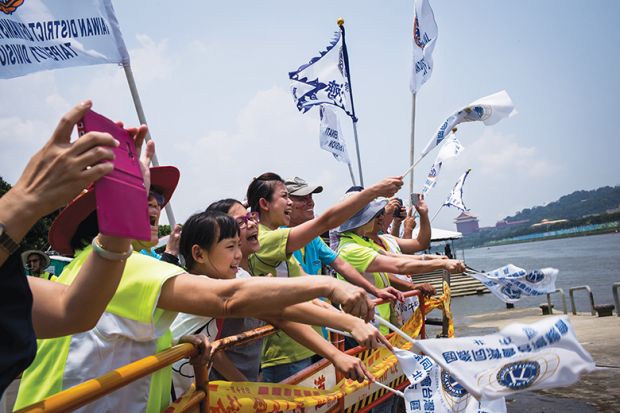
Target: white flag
pixel 424 38
pixel 510 282
pixel 520 357
pixel 489 110
pixel 41 35
pixel 450 149
pixel 323 80
pixel 439 392
pixel 331 136
pixel 456 196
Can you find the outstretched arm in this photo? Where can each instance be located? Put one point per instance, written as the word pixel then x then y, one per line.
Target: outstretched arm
pixel 339 213
pixel 259 297
pixel 352 367
pixel 354 277
pixel 410 265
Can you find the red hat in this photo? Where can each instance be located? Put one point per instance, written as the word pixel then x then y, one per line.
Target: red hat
pixel 163 178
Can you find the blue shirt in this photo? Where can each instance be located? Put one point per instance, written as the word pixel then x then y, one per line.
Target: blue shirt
pixel 315 254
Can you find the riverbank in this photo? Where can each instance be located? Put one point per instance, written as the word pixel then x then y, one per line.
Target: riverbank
pixel 595 392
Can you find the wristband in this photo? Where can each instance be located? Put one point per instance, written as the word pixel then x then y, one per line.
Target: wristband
pixel 109 255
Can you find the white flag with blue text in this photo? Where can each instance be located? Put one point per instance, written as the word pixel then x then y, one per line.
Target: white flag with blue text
pixel 331 136
pixel 456 196
pixel 450 149
pixel 509 283
pixel 323 80
pixel 42 35
pixel 519 357
pixel 424 38
pixel 439 392
pixel 489 110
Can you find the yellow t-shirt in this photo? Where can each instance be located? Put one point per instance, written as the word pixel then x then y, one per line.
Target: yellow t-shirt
pixel 360 253
pixel 272 259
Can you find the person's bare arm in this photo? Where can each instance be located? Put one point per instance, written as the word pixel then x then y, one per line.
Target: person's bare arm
pixel 354 277
pixel 426 288
pixel 352 367
pixel 302 234
pixel 423 240
pixel 309 313
pixel 227 368
pixel 410 265
pixel 259 297
pixel 60 310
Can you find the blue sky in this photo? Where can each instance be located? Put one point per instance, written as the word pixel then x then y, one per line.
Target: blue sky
pixel 214 85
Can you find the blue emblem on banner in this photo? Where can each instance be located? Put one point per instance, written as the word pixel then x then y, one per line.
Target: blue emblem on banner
pixel 519 375
pixel 535 276
pixel 451 386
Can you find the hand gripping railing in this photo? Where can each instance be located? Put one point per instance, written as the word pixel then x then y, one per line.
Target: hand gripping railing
pixel 564 306
pixel 91 390
pixel 572 298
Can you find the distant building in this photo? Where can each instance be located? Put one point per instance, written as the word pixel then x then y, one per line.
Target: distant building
pixel 466 223
pixel 546 222
pixel 504 223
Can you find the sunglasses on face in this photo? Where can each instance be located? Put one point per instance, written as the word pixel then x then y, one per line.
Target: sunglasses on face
pixel 33 261
pixel 250 216
pixel 159 198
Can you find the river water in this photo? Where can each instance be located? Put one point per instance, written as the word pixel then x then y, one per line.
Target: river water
pixel 591 260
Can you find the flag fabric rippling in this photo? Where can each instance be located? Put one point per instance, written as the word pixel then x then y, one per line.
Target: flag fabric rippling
pixel 520 357
pixel 450 149
pixel 424 38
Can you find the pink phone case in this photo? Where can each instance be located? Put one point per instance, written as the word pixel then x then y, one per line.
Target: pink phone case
pixel 122 201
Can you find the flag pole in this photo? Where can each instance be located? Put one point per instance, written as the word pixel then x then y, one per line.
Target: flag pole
pixel 411 148
pixel 345 55
pixel 142 118
pixel 351 173
pixel 436 213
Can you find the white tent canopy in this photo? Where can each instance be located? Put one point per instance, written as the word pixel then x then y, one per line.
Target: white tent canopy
pixel 438 234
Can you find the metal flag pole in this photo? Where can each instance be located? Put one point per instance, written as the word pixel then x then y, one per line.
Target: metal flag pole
pixel 351 172
pixel 142 118
pixel 436 213
pixel 411 149
pixel 345 56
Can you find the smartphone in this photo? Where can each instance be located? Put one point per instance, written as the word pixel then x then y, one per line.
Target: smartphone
pixel 121 198
pixel 415 199
pixel 397 210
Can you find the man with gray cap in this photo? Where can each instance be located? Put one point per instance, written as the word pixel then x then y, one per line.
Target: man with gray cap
pixel 316 253
pixel 371 260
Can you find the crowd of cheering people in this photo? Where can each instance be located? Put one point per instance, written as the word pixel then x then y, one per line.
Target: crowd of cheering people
pixel 245 264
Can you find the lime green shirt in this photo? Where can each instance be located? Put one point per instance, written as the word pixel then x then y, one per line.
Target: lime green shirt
pixel 272 259
pixel 132 327
pixel 360 253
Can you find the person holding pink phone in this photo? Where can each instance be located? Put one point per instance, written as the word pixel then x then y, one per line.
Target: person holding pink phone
pixel 34 307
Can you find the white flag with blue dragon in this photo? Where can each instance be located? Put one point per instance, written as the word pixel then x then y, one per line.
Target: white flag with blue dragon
pixel 489 110
pixel 323 80
pixel 424 38
pixel 519 357
pixel 509 283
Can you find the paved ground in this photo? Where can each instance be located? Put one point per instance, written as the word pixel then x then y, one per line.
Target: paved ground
pixel 598 391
